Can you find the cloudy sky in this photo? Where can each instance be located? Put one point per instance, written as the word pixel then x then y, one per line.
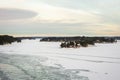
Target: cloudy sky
pixel 60 17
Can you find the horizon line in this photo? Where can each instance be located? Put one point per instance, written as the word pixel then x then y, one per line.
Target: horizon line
pixel 57 35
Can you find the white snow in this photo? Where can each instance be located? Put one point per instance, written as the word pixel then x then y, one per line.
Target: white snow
pixel 99 62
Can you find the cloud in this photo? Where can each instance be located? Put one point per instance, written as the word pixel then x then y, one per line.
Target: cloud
pixel 19 0
pixel 53 14
pixel 60 17
pixel 13 14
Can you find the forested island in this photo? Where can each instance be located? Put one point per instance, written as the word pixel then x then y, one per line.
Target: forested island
pixel 74 42
pixel 66 42
pixel 5 39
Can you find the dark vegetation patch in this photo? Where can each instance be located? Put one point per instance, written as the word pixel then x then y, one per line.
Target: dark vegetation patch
pixel 5 39
pixel 74 42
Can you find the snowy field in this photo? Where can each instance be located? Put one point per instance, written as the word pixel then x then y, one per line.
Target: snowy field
pixel 34 60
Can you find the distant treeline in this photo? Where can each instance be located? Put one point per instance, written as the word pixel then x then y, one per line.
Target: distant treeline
pixel 118 38
pixel 30 38
pixel 61 39
pixel 67 42
pixel 5 39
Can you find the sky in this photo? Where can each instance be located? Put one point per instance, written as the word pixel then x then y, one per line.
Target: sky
pixel 60 17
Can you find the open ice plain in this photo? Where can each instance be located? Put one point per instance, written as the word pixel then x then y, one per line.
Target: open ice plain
pixel 34 60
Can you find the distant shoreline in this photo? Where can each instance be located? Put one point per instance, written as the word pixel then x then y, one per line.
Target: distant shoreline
pixel 61 36
pixel 55 35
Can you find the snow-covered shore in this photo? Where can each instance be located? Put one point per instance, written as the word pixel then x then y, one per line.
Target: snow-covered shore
pixel 34 60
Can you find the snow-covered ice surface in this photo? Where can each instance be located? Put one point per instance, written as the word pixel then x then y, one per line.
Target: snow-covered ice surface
pixel 34 60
